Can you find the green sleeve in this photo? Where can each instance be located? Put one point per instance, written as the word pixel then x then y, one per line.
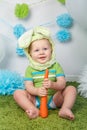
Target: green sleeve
pixel 59 70
pixel 28 74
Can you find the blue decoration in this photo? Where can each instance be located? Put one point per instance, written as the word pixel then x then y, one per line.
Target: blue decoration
pixel 10 81
pixel 64 20
pixel 18 30
pixel 20 51
pixel 63 35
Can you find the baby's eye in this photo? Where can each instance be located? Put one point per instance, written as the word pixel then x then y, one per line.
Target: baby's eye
pixel 45 48
pixel 36 50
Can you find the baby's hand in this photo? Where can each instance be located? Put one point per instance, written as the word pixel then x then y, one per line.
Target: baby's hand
pixel 47 83
pixel 42 91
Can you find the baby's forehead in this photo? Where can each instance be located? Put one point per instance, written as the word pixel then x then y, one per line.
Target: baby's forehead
pixel 41 42
pixel 36 44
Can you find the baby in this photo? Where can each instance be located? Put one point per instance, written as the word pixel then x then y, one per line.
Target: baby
pixel 39 48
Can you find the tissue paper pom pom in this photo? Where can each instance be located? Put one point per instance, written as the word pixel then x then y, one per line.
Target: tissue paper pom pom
pixel 82 88
pixel 18 30
pixel 62 1
pixel 9 82
pixel 20 51
pixel 63 35
pixel 21 10
pixel 64 20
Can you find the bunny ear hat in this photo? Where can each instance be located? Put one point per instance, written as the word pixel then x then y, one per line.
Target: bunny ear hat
pixel 28 37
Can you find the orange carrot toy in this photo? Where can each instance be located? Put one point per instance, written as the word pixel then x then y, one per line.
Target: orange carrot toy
pixel 43 106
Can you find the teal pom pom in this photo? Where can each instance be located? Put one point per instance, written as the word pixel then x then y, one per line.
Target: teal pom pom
pixel 20 51
pixel 21 11
pixel 64 20
pixel 10 81
pixel 18 30
pixel 63 35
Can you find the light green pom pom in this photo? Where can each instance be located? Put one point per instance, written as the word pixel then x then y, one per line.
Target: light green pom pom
pixel 21 10
pixel 62 1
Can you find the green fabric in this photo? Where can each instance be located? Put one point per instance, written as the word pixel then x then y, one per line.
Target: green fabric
pixel 36 34
pixel 37 76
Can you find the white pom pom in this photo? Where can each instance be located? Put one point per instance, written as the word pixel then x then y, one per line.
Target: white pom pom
pixel 82 88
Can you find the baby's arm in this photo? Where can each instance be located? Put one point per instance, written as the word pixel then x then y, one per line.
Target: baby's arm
pixel 58 85
pixel 41 91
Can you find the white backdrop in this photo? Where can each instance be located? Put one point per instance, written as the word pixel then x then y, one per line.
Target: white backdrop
pixel 71 55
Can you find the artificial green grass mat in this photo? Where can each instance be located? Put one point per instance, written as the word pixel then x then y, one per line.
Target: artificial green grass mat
pixel 12 117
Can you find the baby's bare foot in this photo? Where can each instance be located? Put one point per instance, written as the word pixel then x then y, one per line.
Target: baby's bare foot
pixel 32 113
pixel 66 113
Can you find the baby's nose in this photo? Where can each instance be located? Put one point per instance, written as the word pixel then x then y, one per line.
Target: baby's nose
pixel 41 52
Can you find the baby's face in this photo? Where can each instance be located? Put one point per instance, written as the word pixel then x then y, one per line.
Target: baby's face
pixel 41 51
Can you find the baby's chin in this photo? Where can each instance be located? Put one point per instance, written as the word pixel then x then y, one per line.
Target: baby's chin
pixel 43 62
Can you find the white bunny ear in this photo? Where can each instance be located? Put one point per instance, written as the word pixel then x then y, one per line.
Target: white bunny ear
pixel 34 34
pixel 43 31
pixel 25 40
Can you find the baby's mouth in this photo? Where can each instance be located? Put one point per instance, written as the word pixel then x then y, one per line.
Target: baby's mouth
pixel 42 57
